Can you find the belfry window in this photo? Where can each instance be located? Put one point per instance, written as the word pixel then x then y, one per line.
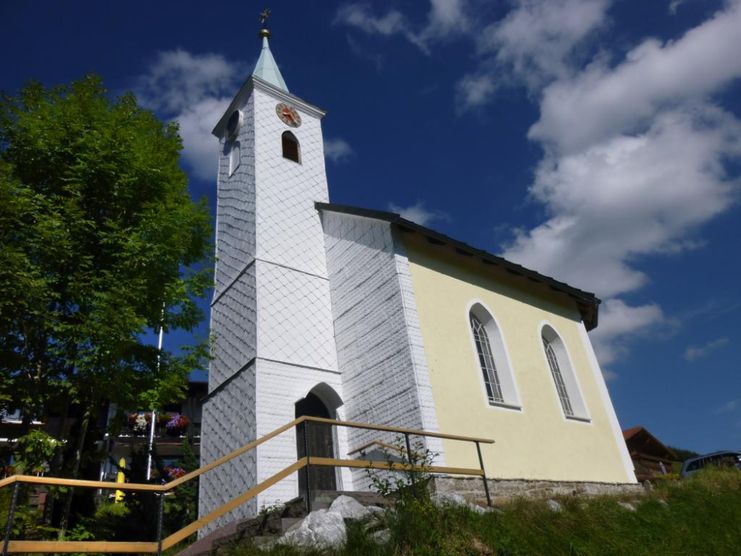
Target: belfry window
pixel 492 359
pixel 291 148
pixel 563 375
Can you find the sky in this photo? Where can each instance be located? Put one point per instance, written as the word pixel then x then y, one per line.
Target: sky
pixel 596 141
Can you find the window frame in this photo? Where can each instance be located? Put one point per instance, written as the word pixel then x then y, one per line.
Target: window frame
pixel 283 140
pixel 500 357
pixel 577 401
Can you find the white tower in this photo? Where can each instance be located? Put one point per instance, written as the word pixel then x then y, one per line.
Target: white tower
pixel 271 316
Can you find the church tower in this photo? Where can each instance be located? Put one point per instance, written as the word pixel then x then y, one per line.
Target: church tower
pixel 271 316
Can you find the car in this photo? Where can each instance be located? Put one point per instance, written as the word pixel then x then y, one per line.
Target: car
pixel 716 459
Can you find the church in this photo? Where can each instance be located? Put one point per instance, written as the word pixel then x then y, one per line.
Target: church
pixel 360 315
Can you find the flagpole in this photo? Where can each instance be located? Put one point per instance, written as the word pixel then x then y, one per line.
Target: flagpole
pixel 154 413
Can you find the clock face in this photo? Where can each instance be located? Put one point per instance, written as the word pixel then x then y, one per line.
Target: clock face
pixel 288 115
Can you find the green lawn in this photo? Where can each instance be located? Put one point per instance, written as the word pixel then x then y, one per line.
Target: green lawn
pixel 697 516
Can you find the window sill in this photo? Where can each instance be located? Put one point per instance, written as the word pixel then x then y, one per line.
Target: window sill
pixel 579 419
pixel 505 406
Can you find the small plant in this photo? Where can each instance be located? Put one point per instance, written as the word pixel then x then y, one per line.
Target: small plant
pixel 409 481
pixel 177 423
pixel 34 451
pixel 173 472
pixel 139 422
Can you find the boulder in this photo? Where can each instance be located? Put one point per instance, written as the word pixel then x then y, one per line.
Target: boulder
pixel 321 529
pixel 554 506
pixel 351 509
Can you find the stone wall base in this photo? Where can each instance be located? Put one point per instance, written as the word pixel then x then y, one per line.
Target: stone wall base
pixel 504 490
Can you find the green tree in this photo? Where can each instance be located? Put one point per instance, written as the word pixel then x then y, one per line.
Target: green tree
pixel 99 242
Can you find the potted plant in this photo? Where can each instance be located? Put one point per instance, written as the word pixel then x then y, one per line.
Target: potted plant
pixel 177 424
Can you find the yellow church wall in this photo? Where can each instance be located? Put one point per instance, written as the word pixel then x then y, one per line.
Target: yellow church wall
pixel 536 441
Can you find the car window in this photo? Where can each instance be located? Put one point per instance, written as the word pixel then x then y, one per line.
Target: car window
pixel 694 466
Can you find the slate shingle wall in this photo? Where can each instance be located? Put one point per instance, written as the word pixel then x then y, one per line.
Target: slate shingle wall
pixel 379 347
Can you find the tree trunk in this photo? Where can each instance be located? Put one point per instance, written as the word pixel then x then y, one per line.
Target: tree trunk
pixel 86 416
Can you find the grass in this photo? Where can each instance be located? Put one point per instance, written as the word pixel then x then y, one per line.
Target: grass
pixel 697 516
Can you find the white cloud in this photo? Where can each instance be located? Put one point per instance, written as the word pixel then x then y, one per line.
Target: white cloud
pixel 359 15
pixel 729 407
pixel 193 90
pixel 696 352
pixel 634 165
pixel 609 376
pixel 474 90
pixel 418 213
pixel 446 18
pixel 630 196
pixel 337 150
pixel 602 101
pixel 537 39
pixel 618 322
pixel 674 6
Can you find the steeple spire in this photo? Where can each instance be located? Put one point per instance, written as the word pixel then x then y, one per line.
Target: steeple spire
pixel 266 68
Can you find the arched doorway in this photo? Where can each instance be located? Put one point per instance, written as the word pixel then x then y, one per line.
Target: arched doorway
pixel 319 441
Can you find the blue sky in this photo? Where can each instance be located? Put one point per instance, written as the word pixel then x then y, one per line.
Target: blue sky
pixel 596 141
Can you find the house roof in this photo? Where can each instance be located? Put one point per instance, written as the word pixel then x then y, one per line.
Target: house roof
pixel 587 303
pixel 631 432
pixel 640 441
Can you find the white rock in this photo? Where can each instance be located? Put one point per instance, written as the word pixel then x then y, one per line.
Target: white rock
pixel 320 529
pixel 375 510
pixel 381 537
pixel 349 508
pixel 441 499
pixel 451 499
pixel 554 506
pixel 627 505
pixel 479 509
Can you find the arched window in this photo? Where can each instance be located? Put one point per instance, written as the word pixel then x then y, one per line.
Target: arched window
pixel 492 358
pixel 563 375
pixel 235 157
pixel 291 148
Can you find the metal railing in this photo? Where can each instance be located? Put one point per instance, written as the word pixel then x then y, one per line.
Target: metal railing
pixel 11 546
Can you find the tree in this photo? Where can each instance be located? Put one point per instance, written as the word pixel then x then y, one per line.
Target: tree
pixel 99 242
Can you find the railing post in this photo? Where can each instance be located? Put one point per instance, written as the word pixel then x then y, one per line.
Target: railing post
pixel 11 512
pixel 481 464
pixel 160 515
pixel 305 425
pixel 412 472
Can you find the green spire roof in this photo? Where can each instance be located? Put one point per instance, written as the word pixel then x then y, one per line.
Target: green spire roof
pixel 266 68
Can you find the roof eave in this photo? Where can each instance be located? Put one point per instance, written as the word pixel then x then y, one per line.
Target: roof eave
pixel 587 303
pixel 254 82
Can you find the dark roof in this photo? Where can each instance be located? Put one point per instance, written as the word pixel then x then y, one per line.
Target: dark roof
pixel 640 441
pixel 587 302
pixel 631 432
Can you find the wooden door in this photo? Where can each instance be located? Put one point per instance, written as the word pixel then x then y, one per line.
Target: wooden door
pixel 320 443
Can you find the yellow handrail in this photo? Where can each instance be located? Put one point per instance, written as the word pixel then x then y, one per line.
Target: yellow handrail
pixel 19 546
